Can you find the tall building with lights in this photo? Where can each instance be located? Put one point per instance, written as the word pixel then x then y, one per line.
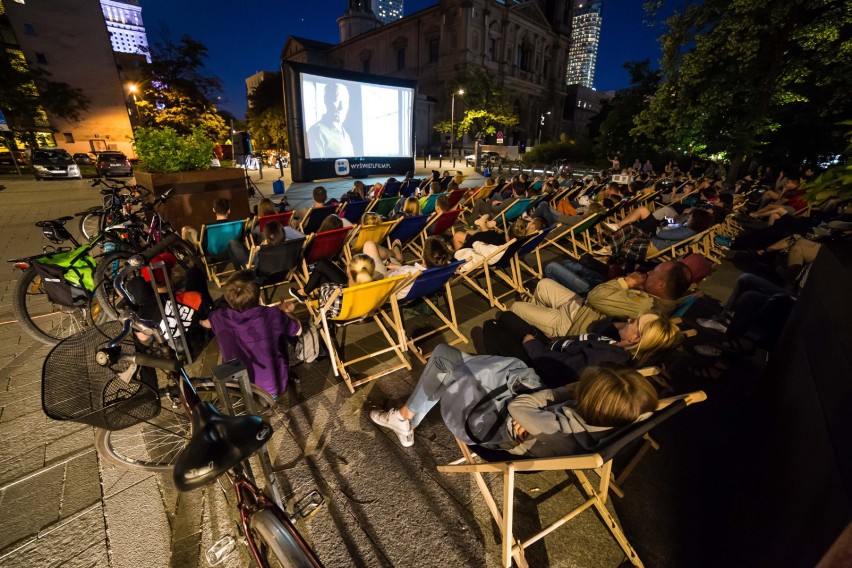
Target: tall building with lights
pixel 585 36
pixel 387 11
pixel 125 27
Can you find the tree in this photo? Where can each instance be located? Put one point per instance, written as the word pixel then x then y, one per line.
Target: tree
pixel 28 93
pixel 265 115
pixel 486 106
pixel 734 69
pixel 176 91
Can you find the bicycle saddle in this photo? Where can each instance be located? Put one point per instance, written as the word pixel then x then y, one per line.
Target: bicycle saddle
pixel 58 221
pixel 219 442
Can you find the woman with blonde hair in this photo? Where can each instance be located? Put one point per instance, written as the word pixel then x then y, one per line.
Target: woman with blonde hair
pixel 636 342
pixel 328 277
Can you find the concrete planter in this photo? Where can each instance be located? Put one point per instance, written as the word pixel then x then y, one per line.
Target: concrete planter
pixel 191 202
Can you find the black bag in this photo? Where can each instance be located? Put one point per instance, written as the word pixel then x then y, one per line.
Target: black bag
pixel 57 288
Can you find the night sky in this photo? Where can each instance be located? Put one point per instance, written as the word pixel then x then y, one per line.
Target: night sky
pixel 247 36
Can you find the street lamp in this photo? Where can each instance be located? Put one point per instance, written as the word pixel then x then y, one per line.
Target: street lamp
pixel 452 123
pixel 541 126
pixel 133 90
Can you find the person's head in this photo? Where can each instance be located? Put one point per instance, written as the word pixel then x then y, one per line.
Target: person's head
pixel 709 194
pixel 242 291
pixel 726 200
pixel 371 218
pixel 408 175
pixel 791 184
pixel 689 187
pixel 266 207
pixel 222 208
pixel 523 177
pixel 700 220
pixel 648 335
pixel 435 187
pixel 273 233
pixel 445 174
pixel 522 227
pixel 330 223
pixel 320 196
pixel 436 175
pixel 359 188
pixel 452 186
pixel 614 397
pixel 336 102
pixel 612 189
pixel 442 204
pixel 668 280
pixel 361 269
pixel 594 208
pixel 519 188
pixel 436 252
pixel 411 207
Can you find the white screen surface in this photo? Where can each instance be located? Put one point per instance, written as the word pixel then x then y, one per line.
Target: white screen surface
pixel 346 119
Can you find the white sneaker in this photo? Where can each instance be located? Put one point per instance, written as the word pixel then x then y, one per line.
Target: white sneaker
pixel 612 227
pixel 605 251
pixel 393 420
pixel 713 324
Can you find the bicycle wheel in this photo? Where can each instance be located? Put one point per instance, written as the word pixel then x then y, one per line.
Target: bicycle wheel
pixel 105 271
pixel 45 320
pixel 91 224
pixel 280 542
pixel 155 444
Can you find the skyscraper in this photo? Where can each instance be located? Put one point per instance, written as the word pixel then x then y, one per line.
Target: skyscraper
pixel 126 30
pixel 387 11
pixel 585 36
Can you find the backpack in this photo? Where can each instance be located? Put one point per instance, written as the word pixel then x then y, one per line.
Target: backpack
pixel 308 348
pixel 66 276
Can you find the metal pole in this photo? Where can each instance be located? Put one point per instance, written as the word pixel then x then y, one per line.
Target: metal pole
pixel 453 126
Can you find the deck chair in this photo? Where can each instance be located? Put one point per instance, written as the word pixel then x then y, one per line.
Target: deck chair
pixel 407 230
pixel 364 233
pixel 352 211
pixel 532 246
pixel 384 206
pixel 428 285
pixel 260 222
pixel 437 225
pixel 503 269
pixel 327 245
pixel 316 215
pixel 409 187
pixel 507 465
pixel 392 189
pixel 580 240
pixel 512 212
pixel 682 248
pixel 214 241
pixel 276 265
pixel 455 196
pixel 429 206
pixel 475 195
pixel 361 304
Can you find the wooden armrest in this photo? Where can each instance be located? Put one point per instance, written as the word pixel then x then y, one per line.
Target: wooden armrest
pixel 690 398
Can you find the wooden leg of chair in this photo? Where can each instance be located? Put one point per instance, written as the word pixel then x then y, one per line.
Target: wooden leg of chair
pixel 508 510
pixel 647 444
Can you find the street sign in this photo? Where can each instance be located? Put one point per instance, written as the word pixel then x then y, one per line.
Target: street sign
pixel 3 124
pixel 499 136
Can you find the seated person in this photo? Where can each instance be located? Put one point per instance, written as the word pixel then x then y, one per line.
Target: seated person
pixel 790 200
pixel 330 223
pixel 574 275
pixel 255 334
pixel 406 207
pixel 473 246
pixel 545 423
pixel 327 277
pixel 320 196
pixel 221 209
pixel 496 204
pixel 436 252
pixel 557 311
pixel 558 361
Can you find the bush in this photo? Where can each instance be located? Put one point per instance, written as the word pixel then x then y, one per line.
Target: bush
pixel 164 150
pixel 553 151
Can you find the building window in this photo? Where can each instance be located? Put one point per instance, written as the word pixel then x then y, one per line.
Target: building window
pixel 69 137
pixel 433 50
pixel 29 29
pixel 41 58
pixel 366 65
pixel 492 48
pixel 400 58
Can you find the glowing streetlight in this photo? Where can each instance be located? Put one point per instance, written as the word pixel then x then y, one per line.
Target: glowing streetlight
pixel 133 89
pixel 541 126
pixel 452 123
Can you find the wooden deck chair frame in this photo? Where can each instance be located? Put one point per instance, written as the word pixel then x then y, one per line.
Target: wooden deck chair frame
pixel 359 207
pixel 309 240
pixel 578 247
pixel 209 263
pixel 512 212
pixel 363 233
pixel 351 314
pixel 596 497
pixel 383 205
pixel 449 320
pixel 429 205
pixel 412 235
pixel 484 269
pixel 417 247
pixel 327 211
pixel 680 248
pixel 537 271
pixel 260 223
pixel 466 202
pixel 267 291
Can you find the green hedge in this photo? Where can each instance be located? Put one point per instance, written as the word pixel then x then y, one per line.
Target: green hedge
pixel 164 150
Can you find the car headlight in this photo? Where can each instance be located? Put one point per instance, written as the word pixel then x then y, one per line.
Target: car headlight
pixel 73 170
pixel 40 169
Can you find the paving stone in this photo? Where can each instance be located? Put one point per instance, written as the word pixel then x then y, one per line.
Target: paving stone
pixel 138 527
pixel 70 443
pixel 82 485
pixel 29 506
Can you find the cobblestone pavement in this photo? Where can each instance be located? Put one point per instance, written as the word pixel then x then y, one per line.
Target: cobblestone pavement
pixel 61 505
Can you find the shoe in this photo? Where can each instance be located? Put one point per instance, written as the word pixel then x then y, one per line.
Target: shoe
pixel 712 372
pixel 294 293
pixel 708 350
pixel 712 323
pixel 611 227
pixel 723 241
pixel 393 420
pixel 604 251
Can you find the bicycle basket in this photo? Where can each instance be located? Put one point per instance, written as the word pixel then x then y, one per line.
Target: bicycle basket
pixel 74 387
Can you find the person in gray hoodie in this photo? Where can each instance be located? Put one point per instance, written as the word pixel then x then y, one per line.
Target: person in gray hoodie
pixel 481 395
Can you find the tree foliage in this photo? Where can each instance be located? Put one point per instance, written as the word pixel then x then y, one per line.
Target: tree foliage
pixel 836 181
pixel 486 106
pixel 177 92
pixel 265 116
pixel 737 71
pixel 165 150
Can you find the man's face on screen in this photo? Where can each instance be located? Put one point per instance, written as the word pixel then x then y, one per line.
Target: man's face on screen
pixel 337 103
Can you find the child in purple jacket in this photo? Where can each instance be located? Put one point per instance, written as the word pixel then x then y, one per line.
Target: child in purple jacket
pixel 256 335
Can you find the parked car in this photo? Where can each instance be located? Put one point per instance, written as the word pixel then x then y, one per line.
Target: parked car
pixel 484 158
pixel 112 164
pixel 84 158
pixel 6 158
pixel 54 163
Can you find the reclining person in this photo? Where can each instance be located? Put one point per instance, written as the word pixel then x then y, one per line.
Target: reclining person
pixel 545 423
pixel 557 311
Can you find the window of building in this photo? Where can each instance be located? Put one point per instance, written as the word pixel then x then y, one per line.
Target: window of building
pixel 40 57
pixel 433 50
pixel 492 48
pixel 29 29
pixel 366 65
pixel 400 58
pixel 69 137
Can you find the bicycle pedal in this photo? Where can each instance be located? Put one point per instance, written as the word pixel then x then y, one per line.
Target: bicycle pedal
pixel 309 504
pixel 220 550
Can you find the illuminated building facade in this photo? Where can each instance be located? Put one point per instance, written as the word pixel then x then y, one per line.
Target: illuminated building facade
pixel 585 36
pixel 387 11
pixel 126 30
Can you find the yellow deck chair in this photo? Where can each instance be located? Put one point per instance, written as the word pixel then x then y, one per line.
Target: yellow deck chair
pixel 600 462
pixel 361 304
pixel 363 233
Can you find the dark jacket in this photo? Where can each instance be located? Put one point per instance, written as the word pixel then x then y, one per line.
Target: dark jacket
pixel 562 361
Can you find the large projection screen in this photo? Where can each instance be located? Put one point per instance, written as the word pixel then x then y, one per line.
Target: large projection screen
pixel 346 124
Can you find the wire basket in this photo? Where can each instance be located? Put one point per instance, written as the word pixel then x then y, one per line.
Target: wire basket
pixel 74 387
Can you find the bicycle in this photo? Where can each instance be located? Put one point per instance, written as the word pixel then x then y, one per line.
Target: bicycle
pixel 116 206
pixel 212 444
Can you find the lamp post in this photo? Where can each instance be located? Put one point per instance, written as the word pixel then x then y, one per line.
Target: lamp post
pixel 133 90
pixel 453 123
pixel 541 126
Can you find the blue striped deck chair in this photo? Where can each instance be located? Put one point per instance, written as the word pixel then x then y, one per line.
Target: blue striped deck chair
pixel 512 212
pixel 532 246
pixel 214 240
pixel 407 230
pixel 352 211
pixel 579 235
pixel 409 187
pixel 430 284
pixel 429 206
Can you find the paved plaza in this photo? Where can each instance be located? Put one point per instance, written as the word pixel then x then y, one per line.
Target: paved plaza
pixel 384 505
